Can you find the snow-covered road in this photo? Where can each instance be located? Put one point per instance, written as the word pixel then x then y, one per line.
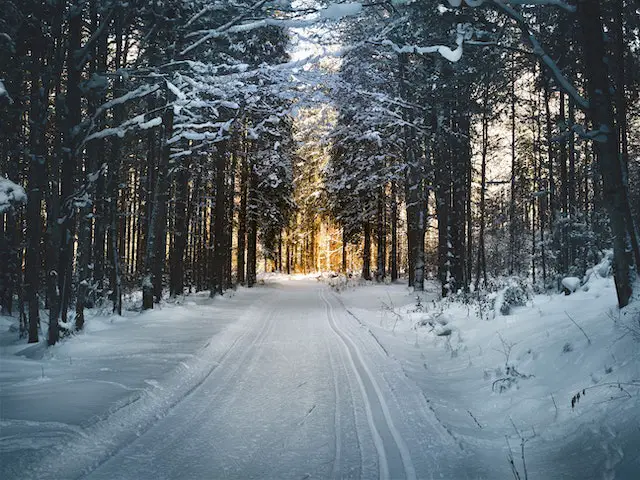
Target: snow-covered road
pixel 302 391
pixel 295 397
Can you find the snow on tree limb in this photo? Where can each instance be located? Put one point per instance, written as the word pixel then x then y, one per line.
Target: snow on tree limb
pixel 453 55
pixel 539 51
pixel 11 194
pixel 333 11
pixel 121 130
pixel 476 3
pixel 139 92
pixel 4 93
pixel 137 122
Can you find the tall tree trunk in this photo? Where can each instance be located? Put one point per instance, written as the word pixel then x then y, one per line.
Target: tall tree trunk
pixel 344 250
pixel 571 188
pixel 512 192
pixel 71 157
pixel 481 265
pixel 611 167
pixel 366 254
pixel 252 229
pixel 242 218
pixel 380 259
pixel 101 210
pixel 217 286
pixel 113 179
pixel 231 204
pixel 37 176
pixel 564 191
pixel 180 231
pixel 393 258
pixel 156 241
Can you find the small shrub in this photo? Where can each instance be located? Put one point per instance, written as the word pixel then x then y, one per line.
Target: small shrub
pixel 515 295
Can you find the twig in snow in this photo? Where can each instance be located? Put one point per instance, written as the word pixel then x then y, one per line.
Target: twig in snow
pixel 474 419
pixel 583 332
pixel 523 442
pixel 555 405
pixel 511 461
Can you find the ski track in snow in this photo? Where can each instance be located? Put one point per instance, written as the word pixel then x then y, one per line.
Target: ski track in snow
pixel 294 388
pixel 377 410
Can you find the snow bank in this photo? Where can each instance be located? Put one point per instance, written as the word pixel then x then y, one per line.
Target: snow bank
pixel 67 406
pixel 561 372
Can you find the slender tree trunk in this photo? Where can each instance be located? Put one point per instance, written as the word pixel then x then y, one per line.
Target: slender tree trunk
pixel 242 219
pixel 37 176
pixel 180 231
pixel 252 229
pixel 366 254
pixel 571 188
pixel 393 258
pixel 380 259
pixel 344 250
pixel 71 157
pixel 481 265
pixel 113 178
pixel 217 286
pixel 512 198
pixel 231 196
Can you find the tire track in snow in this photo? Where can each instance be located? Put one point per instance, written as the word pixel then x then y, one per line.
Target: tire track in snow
pixel 378 415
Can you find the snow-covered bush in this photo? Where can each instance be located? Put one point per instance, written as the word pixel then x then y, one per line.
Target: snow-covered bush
pixel 514 295
pixel 499 297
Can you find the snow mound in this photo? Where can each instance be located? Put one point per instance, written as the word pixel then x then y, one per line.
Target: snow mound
pixel 571 284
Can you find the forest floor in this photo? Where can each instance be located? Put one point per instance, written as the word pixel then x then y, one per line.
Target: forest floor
pixel 301 378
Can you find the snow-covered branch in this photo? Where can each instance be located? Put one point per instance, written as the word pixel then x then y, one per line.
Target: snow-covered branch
pixel 11 194
pixel 137 122
pixel 4 93
pixel 539 51
pixel 463 32
pixel 556 3
pixel 333 11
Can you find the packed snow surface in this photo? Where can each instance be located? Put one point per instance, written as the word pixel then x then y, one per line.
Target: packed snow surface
pixel 295 379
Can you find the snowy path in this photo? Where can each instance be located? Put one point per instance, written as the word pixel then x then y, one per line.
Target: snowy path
pixel 303 391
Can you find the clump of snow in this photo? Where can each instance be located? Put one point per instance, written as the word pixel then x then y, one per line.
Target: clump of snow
pixel 154 122
pixel 4 93
pixel 336 11
pixel 602 269
pixel 571 284
pixel 11 195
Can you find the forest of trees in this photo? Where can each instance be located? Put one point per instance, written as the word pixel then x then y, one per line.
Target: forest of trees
pixel 133 138
pixel 517 157
pixel 157 145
